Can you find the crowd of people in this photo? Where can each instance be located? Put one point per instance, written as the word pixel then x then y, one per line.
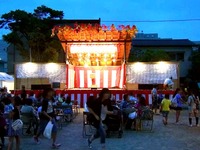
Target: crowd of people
pixel 38 111
pixel 132 108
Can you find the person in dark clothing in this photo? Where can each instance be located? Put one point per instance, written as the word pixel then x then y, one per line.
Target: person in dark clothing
pixel 23 94
pixel 3 125
pixel 47 115
pixel 99 108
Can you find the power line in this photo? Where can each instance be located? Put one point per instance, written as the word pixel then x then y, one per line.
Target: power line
pixel 171 20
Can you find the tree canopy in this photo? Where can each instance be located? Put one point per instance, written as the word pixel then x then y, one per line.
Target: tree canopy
pixel 148 55
pixel 194 72
pixel 31 32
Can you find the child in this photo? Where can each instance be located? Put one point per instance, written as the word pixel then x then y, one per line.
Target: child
pixel 2 125
pixel 14 115
pixel 165 108
pixel 192 107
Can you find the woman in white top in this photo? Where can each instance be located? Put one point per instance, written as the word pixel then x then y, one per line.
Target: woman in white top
pixel 192 107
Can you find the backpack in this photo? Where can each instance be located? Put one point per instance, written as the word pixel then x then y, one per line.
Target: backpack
pixel 174 102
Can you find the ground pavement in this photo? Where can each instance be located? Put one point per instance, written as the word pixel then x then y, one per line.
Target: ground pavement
pixel 172 137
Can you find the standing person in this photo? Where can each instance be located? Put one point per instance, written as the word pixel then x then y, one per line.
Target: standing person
pixel 154 94
pixel 3 125
pixel 99 108
pixel 13 116
pixel 192 107
pixel 47 114
pixel 177 96
pixel 165 108
pixel 23 94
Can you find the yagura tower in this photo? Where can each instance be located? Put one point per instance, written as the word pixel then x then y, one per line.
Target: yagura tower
pixel 95 55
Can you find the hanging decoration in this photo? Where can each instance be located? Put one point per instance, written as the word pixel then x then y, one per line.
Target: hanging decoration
pixel 89 32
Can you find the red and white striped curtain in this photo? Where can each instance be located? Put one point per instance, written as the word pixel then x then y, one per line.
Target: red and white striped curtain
pixel 105 76
pixel 69 76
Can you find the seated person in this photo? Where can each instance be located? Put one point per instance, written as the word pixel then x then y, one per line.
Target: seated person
pixel 67 102
pixel 127 108
pixel 126 105
pixel 8 106
pixel 133 99
pixel 68 110
pixel 140 106
pixel 29 114
pixel 32 97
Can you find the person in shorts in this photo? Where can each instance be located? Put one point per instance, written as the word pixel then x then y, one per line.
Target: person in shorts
pixel 179 100
pixel 47 114
pixel 165 108
pixel 155 104
pixel 192 102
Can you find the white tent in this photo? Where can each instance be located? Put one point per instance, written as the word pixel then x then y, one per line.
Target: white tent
pixel 6 77
pixel 6 80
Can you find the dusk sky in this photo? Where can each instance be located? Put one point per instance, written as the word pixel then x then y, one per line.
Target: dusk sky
pixel 121 11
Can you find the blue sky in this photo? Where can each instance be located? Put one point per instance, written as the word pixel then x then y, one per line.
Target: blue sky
pixel 125 10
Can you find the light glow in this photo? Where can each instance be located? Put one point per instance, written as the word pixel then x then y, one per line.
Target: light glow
pixel 139 67
pixel 51 67
pixel 162 67
pixel 93 48
pixel 30 67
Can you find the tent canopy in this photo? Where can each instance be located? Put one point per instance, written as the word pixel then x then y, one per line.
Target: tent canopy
pixel 5 77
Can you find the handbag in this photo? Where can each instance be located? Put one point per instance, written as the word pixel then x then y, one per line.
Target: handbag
pixel 17 124
pixel 132 115
pixel 48 130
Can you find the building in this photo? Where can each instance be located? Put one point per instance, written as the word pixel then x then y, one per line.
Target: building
pixel 3 56
pixel 179 50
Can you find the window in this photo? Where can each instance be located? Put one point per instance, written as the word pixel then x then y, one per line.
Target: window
pixel 176 56
pixel 180 56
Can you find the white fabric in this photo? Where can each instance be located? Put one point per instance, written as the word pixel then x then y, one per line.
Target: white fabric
pixel 48 130
pixel 149 73
pixel 5 77
pixel 168 82
pixel 54 72
pixel 103 112
pixel 50 107
pixel 85 108
pixel 132 115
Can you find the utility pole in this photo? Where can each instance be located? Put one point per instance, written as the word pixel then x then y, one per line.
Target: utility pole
pixel 30 55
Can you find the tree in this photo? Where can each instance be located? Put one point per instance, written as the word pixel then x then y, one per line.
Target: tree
pixel 148 55
pixel 31 32
pixel 194 72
